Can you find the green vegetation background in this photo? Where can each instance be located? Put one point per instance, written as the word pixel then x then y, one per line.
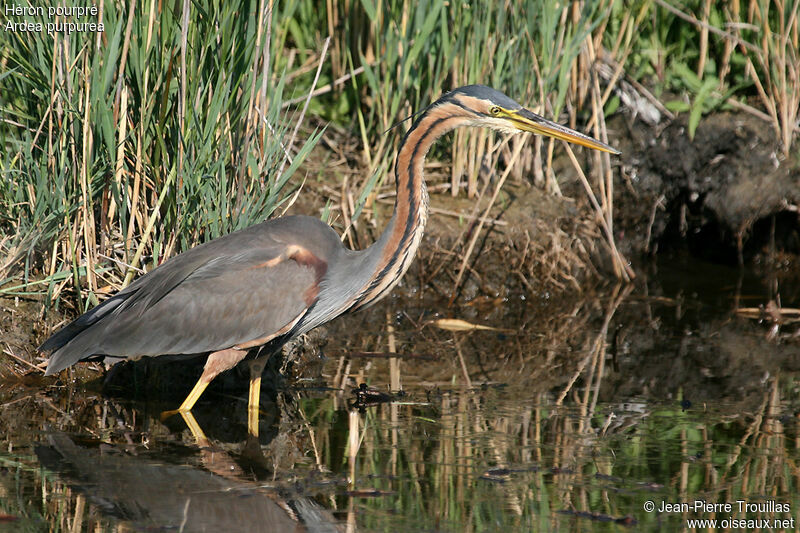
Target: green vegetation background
pixel 183 121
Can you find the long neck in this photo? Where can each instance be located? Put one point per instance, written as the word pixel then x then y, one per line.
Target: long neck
pixel 394 250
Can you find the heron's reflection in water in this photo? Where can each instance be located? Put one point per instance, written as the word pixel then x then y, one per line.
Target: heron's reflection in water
pixel 151 494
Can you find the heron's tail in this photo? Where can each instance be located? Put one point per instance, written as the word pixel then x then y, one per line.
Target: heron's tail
pixel 63 355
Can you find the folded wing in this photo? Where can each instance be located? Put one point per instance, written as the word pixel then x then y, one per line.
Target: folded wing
pixel 216 296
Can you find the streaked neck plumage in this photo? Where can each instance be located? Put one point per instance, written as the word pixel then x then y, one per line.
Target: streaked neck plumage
pixel 395 248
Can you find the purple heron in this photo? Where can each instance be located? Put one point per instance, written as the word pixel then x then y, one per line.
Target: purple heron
pixel 267 284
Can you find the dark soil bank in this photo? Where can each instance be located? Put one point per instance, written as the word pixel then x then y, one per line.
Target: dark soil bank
pixel 727 195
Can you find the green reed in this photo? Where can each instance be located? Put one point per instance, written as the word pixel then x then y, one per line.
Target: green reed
pixel 123 147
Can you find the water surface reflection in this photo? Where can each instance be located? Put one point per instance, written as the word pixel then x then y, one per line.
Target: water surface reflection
pixel 575 419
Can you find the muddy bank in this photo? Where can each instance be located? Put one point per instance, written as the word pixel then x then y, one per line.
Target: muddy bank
pixel 726 196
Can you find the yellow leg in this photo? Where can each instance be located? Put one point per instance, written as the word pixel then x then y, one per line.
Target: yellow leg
pixel 252 405
pixel 190 400
pixel 193 396
pixel 197 432
pixel 256 369
pixel 216 363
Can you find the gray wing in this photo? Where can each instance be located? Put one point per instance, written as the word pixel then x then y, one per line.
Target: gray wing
pixel 240 290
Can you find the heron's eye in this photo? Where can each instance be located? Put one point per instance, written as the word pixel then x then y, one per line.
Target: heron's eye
pixel 494 110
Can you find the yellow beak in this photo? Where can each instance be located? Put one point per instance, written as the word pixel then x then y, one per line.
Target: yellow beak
pixel 528 121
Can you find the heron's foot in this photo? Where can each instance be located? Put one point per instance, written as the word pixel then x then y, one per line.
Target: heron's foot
pixel 188 403
pixel 190 421
pixel 172 412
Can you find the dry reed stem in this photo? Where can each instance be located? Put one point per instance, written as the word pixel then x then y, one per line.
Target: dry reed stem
pixel 780 97
pixel 621 266
pixel 457 162
pixel 703 51
pixel 120 162
pixel 149 228
pixel 462 362
pixel 87 206
pixel 709 27
pixel 326 88
pixel 138 165
pixel 287 155
pixel 251 104
pixel 449 213
pixel 597 352
pixel 631 26
pixel 254 104
pixel 21 360
pixel 352 445
pixel 182 97
pixel 344 208
pixel 606 181
pixel 477 232
pixel 394 362
pixel 265 75
pixel 308 99
pixel 293 198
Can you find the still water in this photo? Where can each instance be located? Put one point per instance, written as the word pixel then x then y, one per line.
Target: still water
pixel 627 409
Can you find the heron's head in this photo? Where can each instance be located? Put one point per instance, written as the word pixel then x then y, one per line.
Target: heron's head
pixel 490 108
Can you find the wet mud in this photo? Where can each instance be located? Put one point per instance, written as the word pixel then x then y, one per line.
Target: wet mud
pixel 726 196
